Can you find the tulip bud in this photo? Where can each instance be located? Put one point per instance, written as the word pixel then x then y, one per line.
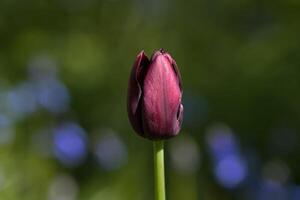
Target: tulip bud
pixel 154 96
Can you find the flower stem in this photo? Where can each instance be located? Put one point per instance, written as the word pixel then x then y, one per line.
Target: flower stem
pixel 159 170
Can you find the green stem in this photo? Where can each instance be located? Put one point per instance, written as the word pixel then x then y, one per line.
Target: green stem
pixel 159 170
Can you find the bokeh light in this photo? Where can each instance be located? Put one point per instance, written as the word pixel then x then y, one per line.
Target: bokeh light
pixel 70 144
pixel 272 191
pixel 7 132
pixel 294 192
pixel 53 95
pixel 185 154
pixel 110 150
pixel 230 171
pixel 63 187
pixel 221 141
pixel 230 168
pixel 276 171
pixel 22 100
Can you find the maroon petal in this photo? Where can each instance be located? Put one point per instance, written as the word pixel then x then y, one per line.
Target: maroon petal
pixel 179 119
pixel 161 98
pixel 135 92
pixel 176 70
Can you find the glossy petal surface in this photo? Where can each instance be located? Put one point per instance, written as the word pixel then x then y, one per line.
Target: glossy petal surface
pixel 154 96
pixel 161 99
pixel 135 92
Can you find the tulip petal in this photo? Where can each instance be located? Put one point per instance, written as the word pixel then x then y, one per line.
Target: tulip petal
pixel 173 62
pixel 179 118
pixel 135 91
pixel 176 70
pixel 161 98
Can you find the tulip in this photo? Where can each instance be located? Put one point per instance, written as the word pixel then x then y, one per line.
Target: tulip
pixel 154 96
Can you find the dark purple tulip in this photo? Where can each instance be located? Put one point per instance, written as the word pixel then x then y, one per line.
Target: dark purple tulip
pixel 154 96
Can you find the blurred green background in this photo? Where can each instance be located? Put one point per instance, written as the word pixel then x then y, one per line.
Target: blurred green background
pixel 64 68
